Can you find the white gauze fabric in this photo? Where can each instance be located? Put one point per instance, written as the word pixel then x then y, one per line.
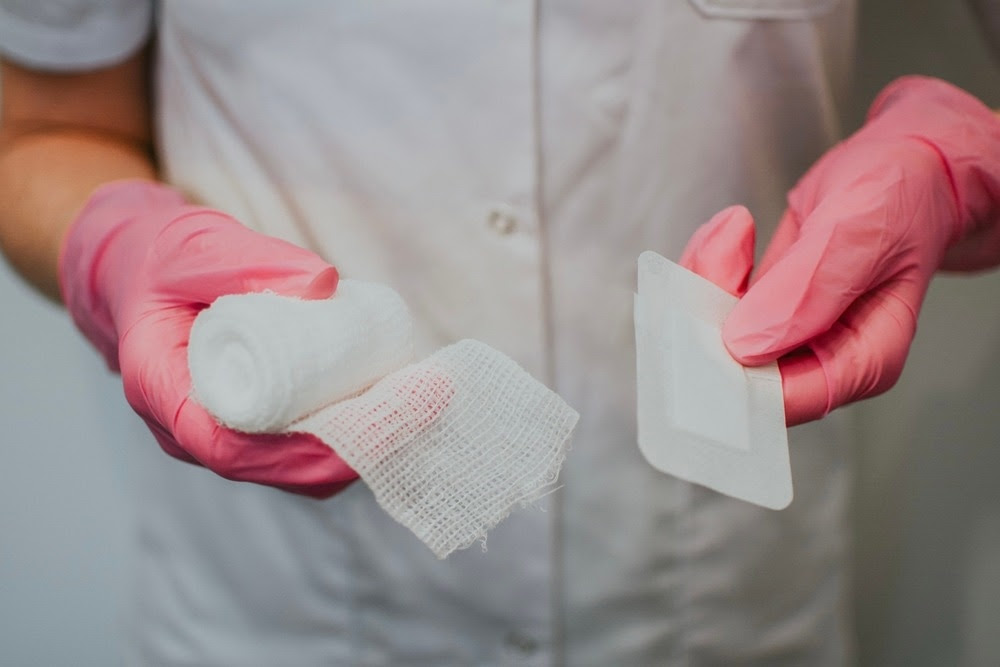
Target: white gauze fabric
pixel 451 444
pixel 263 360
pixel 448 445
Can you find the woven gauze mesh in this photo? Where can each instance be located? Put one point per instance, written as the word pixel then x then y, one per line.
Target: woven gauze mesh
pixel 451 444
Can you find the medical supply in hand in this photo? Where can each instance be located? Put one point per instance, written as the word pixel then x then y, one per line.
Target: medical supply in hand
pixel 448 445
pixel 137 266
pixel 915 190
pixel 262 360
pixel 722 251
pixel 702 416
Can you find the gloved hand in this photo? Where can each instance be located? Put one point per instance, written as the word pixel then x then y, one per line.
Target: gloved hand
pixel 137 265
pixel 838 291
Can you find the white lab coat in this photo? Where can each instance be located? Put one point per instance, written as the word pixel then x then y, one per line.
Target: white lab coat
pixel 501 164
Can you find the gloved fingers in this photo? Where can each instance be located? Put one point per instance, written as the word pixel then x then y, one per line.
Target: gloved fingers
pixel 296 462
pixel 721 250
pixel 203 254
pixel 320 490
pixel 808 286
pixel 977 251
pixel 786 233
pixel 863 354
pixel 804 386
pixel 157 384
pixel 167 442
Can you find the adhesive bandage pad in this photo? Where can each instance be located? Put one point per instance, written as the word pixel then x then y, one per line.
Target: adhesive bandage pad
pixel 702 416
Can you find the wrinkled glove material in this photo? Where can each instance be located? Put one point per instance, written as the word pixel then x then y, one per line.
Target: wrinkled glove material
pixel 137 265
pixel 836 297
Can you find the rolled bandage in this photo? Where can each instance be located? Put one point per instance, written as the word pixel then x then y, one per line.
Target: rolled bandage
pixel 260 361
pixel 448 445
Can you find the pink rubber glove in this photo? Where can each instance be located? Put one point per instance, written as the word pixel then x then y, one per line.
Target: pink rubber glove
pixel 137 265
pixel 837 294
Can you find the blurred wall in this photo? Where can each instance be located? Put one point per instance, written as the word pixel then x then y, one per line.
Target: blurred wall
pixel 928 496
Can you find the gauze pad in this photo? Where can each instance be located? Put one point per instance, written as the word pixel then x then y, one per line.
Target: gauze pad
pixel 263 360
pixel 450 444
pixel 703 416
pixel 447 445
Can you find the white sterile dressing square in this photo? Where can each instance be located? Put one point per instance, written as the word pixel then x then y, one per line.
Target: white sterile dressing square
pixel 710 373
pixel 702 416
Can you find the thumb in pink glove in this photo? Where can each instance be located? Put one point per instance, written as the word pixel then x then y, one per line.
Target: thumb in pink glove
pixel 137 265
pixel 837 294
pixel 722 251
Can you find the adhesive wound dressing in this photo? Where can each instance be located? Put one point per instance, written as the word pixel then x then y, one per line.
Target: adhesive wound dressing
pixel 702 416
pixel 448 445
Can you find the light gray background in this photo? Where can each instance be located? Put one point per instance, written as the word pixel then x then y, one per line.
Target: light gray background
pixel 62 489
pixel 927 501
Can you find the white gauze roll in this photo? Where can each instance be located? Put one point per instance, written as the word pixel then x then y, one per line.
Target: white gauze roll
pixel 260 361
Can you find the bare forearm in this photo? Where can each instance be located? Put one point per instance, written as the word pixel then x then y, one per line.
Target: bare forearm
pixel 44 179
pixel 61 136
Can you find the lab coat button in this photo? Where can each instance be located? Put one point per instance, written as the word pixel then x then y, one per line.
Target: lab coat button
pixel 521 643
pixel 502 221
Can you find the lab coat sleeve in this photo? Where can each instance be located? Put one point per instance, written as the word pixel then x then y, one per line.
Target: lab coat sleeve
pixel 72 35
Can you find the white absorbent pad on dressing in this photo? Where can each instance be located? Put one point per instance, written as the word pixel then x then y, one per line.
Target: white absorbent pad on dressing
pixel 704 417
pixel 448 445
